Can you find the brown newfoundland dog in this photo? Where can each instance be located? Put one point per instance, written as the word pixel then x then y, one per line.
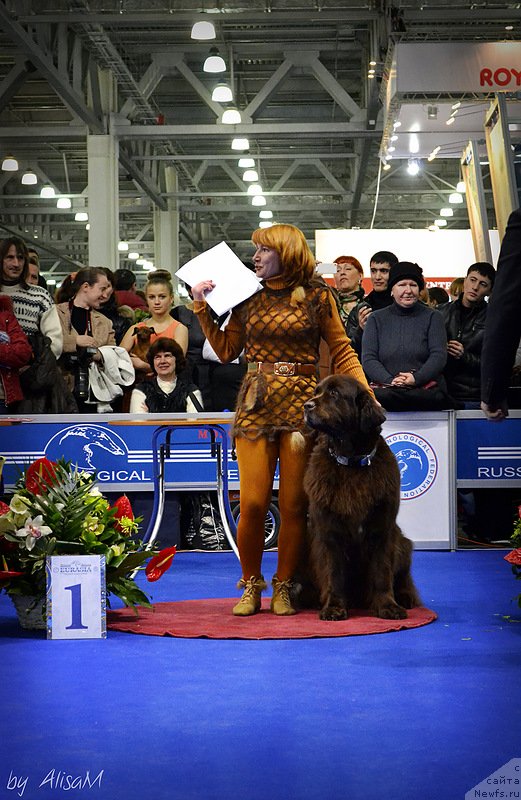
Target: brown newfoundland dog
pixel 359 557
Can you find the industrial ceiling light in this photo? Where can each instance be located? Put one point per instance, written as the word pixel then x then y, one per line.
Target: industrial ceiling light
pixel 265 224
pixel 64 202
pixel 266 214
pixel 455 198
pixel 441 223
pixel 386 167
pixel 232 116
pixel 240 144
pixel 81 216
pixel 246 163
pixel 9 164
pixel 446 212
pixel 460 187
pixel 214 62
pixel 47 191
pixel 258 200
pixel 123 247
pixel 254 188
pixel 413 166
pixel 29 178
pixel 432 112
pixel 133 256
pixel 222 93
pixel 202 30
pixel 250 175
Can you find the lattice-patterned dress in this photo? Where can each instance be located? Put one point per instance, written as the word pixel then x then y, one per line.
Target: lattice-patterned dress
pixel 272 326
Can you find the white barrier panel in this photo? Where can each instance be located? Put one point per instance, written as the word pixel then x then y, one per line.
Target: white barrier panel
pixel 422 446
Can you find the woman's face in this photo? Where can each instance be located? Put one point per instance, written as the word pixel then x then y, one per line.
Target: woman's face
pixel 347 277
pixel 96 294
pixel 159 299
pixel 405 293
pixel 164 365
pixel 12 264
pixel 266 262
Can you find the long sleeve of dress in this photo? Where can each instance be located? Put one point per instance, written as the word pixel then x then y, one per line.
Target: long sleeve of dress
pixel 227 343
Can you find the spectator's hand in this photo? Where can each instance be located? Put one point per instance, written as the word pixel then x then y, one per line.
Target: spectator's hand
pixel 363 316
pixel 200 289
pixel 496 414
pixel 403 379
pixel 138 363
pixel 86 341
pixel 455 348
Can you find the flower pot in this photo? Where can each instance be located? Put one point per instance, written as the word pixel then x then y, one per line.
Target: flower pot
pixel 30 611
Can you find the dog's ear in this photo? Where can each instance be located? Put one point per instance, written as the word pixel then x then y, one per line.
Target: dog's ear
pixel 371 415
pixel 151 330
pixel 135 332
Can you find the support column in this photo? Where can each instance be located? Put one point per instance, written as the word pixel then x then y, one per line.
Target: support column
pixel 102 154
pixel 166 229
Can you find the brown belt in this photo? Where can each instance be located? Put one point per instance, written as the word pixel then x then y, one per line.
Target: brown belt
pixel 282 368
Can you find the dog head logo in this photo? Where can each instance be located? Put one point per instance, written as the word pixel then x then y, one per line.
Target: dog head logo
pixel 87 446
pixel 417 463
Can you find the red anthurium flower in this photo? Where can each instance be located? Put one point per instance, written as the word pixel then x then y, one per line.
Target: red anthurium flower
pixel 8 575
pixel 4 508
pixel 39 475
pixel 123 509
pixel 514 557
pixel 160 563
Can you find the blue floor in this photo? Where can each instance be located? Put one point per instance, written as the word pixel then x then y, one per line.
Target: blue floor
pixel 417 715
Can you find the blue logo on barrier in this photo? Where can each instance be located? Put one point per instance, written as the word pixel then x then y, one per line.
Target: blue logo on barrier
pixel 88 446
pixel 417 462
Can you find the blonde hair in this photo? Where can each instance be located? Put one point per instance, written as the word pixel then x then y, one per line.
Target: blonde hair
pixel 296 259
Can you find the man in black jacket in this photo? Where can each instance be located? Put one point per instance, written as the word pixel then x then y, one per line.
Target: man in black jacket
pixel 465 326
pixel 503 328
pixel 380 297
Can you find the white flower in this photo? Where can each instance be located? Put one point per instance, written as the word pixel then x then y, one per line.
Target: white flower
pixel 19 504
pixel 33 530
pixel 94 491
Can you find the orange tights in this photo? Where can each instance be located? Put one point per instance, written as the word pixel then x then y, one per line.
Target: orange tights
pixel 257 462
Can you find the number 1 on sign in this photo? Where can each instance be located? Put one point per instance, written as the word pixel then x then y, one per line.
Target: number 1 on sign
pixel 76 624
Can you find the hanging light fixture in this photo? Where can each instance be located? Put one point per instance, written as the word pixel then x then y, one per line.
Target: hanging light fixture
pixel 441 223
pixel 81 216
pixel 133 256
pixel 455 197
pixel 232 116
pixel 254 188
pixel 9 164
pixel 214 62
pixel 64 202
pixel 246 163
pixel 240 144
pixel 413 166
pixel 203 30
pixel 266 214
pixel 123 247
pixel 47 191
pixel 265 224
pixel 460 187
pixel 446 212
pixel 29 178
pixel 222 94
pixel 258 200
pixel 250 175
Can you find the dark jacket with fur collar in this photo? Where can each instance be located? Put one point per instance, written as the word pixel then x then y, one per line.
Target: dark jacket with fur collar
pixel 15 351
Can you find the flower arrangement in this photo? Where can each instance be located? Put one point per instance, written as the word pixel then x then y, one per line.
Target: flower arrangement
pixel 57 509
pixel 514 557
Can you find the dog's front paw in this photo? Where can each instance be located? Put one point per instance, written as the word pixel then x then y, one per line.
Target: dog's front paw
pixel 333 613
pixel 393 611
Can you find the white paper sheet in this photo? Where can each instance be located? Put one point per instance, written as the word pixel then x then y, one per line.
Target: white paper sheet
pixel 233 281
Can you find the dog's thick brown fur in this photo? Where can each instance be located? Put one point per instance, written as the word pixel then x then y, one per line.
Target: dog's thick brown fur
pixel 359 557
pixel 141 344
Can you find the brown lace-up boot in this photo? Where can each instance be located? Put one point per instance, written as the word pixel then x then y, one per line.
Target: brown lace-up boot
pixel 250 601
pixel 281 599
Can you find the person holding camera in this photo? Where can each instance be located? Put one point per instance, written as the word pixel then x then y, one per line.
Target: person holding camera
pixel 77 331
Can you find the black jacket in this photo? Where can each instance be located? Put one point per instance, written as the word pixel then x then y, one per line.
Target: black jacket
pixel 467 326
pixel 158 402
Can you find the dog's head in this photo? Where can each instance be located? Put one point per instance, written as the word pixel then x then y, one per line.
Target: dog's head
pixel 344 410
pixel 143 334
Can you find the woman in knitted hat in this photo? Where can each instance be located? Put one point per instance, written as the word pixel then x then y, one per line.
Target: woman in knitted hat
pixel 404 349
pixel 280 329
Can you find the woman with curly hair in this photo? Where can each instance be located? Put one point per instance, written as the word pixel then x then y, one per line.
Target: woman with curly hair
pixel 280 329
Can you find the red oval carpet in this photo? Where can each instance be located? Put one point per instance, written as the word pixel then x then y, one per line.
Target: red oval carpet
pixel 213 619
